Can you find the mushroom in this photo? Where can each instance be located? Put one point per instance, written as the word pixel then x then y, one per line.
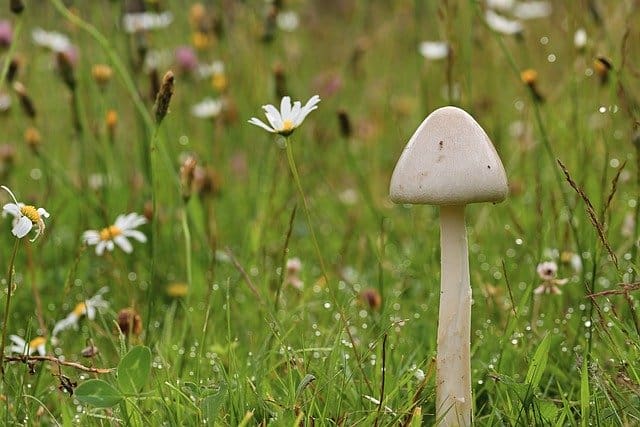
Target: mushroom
pixel 450 162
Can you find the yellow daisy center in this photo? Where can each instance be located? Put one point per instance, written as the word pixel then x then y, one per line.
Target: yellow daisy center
pixel 30 212
pixel 79 309
pixel 110 232
pixel 37 341
pixel 287 125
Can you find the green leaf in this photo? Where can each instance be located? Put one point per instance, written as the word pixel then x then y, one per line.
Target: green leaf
pixel 134 369
pixel 98 393
pixel 584 393
pixel 211 405
pixel 548 411
pixel 539 362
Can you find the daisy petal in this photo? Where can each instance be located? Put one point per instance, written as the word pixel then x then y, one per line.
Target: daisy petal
pixel 22 227
pixel 257 122
pixel 11 208
pixel 138 235
pixel 123 243
pixel 273 116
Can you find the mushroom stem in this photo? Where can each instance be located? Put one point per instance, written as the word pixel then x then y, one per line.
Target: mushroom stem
pixel 453 366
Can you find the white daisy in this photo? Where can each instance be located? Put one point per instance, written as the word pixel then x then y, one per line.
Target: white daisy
pixel 208 108
pixel 87 308
pixel 208 70
pixel 287 21
pixel 580 38
pixel 134 22
pixel 25 217
pixel 532 10
pixel 500 24
pixel 20 346
pixel 288 118
pixel 117 234
pixel 57 42
pixel 434 50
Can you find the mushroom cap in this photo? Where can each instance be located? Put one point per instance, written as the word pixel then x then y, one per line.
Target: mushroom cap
pixel 449 160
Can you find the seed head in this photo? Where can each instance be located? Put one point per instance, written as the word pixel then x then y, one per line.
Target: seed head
pixel 345 124
pixel 16 6
pixel 187 170
pixel 371 298
pixel 129 322
pixel 33 139
pixel 164 96
pixel 25 100
pixel 65 67
pixel 101 74
pixel 602 66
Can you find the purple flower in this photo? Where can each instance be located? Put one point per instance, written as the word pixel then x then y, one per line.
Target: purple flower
pixel 6 33
pixel 186 58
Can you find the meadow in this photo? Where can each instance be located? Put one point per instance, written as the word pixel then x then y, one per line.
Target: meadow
pixel 174 264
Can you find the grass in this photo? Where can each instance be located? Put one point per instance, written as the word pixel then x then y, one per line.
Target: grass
pixel 242 347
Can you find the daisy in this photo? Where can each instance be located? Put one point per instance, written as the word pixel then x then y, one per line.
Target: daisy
pixel 25 217
pixel 292 274
pixel 52 40
pixel 547 272
pixel 500 24
pixel 207 109
pixel 285 121
pixel 287 21
pixel 434 50
pixel 86 308
pixel 134 22
pixel 117 234
pixel 532 10
pixel 20 346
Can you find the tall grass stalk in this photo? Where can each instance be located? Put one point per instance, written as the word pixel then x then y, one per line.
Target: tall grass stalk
pixel 7 307
pixel 307 211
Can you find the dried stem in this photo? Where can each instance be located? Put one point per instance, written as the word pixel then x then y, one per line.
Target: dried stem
pixel 591 212
pixel 26 359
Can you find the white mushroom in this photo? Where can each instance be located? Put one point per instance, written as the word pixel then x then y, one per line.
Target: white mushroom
pixel 450 162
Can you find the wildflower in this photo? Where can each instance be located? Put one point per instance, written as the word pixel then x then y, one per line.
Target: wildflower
pixel 186 59
pixel 371 297
pixel 5 102
pixel 207 109
pixel 292 278
pixel 207 70
pixel 434 50
pixel 116 234
pixel 572 259
pixel 87 308
pixel 504 5
pixel 6 33
pixel 419 375
pixel 285 121
pixel 101 74
pixel 20 346
pixel 530 78
pixel 177 290
pixel 547 272
pixel 201 40
pixel 32 138
pixel 532 10
pixel 52 40
pixel 602 66
pixel 111 120
pixel 129 322
pixel 136 22
pixel 25 217
pixel 580 38
pixel 287 21
pixel 500 24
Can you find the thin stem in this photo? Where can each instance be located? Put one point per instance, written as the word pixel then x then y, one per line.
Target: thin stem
pixel 6 308
pixel 296 178
pixel 187 245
